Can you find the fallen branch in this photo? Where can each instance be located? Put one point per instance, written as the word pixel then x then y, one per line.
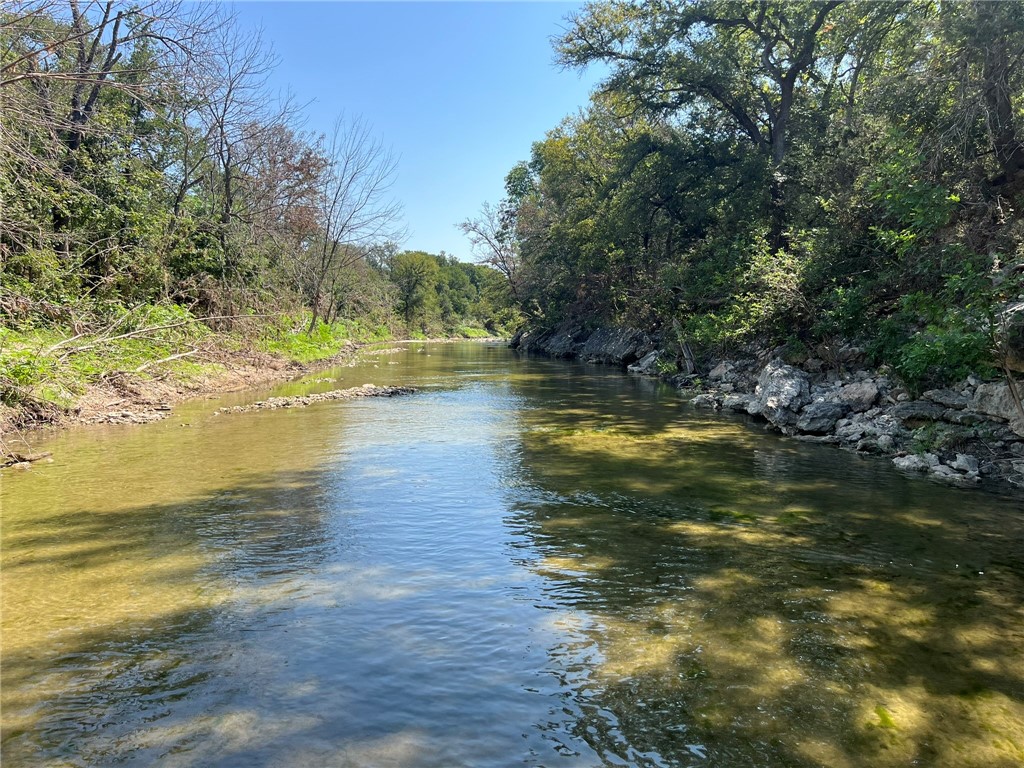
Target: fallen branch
pixel 22 458
pixel 167 359
pixel 142 331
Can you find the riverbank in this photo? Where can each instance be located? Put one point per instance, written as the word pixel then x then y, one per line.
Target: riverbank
pixel 224 363
pixel 965 435
pixel 119 396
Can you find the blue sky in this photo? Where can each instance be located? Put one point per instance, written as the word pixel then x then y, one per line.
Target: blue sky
pixel 458 90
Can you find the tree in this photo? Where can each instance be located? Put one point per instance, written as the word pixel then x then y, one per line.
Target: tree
pixel 415 274
pixel 492 237
pixel 747 62
pixel 354 209
pixel 62 66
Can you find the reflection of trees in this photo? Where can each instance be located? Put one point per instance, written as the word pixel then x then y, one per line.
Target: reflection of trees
pixel 178 585
pixel 766 603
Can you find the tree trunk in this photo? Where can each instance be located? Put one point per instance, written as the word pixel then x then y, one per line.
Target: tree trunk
pixel 993 44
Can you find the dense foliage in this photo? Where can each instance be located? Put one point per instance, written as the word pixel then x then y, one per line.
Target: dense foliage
pixel 144 161
pixel 799 172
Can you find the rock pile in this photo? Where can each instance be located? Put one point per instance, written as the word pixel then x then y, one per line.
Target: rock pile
pixel 957 435
pixel 301 401
pixel 141 414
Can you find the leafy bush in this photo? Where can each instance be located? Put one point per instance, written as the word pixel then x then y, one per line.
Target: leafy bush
pixel 937 340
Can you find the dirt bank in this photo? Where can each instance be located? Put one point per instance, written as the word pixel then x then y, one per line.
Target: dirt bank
pixel 119 397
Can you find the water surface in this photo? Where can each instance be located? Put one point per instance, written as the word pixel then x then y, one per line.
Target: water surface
pixel 527 563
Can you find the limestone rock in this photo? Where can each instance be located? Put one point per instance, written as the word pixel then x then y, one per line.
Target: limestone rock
pixel 951 476
pixel 965 463
pixel 704 401
pixel 1011 336
pixel 721 370
pixel 946 397
pixel 996 400
pixel 860 396
pixel 782 391
pixel 647 365
pixel 616 345
pixel 820 417
pixel 737 403
pixel 917 411
pixel 916 462
pixel 964 418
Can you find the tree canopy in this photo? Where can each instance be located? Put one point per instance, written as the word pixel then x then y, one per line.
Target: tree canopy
pixel 790 172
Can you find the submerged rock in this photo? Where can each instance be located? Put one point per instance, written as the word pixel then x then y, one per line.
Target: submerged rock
pixel 704 401
pixel 738 403
pixel 916 462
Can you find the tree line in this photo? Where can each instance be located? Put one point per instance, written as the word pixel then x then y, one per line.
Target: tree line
pixel 144 158
pixel 799 173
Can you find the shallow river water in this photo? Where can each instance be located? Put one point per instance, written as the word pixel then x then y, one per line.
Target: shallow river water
pixel 527 563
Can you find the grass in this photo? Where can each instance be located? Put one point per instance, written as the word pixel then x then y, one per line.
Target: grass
pixel 288 338
pixel 467 332
pixel 54 366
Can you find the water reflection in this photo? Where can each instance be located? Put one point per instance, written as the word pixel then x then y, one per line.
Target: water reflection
pixel 528 563
pixel 753 602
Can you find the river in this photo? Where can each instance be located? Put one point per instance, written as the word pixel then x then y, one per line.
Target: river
pixel 527 563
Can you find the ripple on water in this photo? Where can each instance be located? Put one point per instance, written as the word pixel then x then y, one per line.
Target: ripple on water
pixel 528 563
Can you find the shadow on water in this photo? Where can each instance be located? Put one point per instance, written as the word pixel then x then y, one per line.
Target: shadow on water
pixel 738 600
pixel 125 617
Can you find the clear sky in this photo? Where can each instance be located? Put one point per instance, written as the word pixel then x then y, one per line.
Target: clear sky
pixel 458 90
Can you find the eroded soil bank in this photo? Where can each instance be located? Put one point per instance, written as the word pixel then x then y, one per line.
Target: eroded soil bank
pixel 121 397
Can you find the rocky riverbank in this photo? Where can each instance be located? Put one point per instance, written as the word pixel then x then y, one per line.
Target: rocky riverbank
pixel 962 435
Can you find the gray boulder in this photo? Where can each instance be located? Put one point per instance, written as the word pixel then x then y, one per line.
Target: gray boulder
pixel 1011 335
pixel 947 398
pixel 647 365
pixel 914 411
pixel 720 371
pixel 704 401
pixel 737 403
pixel 964 418
pixel 997 400
pixel 860 395
pixel 781 392
pixel 965 463
pixel 950 475
pixel 562 344
pixel 616 345
pixel 820 417
pixel 916 463
pixel 994 399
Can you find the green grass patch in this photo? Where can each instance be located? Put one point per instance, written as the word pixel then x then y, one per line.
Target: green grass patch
pixel 289 337
pixel 468 332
